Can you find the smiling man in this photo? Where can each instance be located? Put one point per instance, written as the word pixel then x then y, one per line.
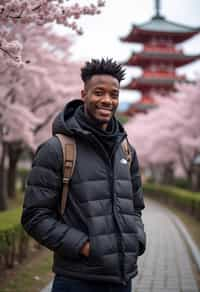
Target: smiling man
pixel 98 239
pixel 101 97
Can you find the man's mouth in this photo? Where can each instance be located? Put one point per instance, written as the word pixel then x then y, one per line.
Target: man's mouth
pixel 108 109
pixel 104 111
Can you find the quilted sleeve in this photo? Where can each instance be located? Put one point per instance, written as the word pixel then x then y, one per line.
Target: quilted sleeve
pixel 138 201
pixel 40 209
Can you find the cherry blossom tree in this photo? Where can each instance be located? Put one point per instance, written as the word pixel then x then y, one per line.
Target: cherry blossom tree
pixel 31 96
pixel 39 12
pixel 169 136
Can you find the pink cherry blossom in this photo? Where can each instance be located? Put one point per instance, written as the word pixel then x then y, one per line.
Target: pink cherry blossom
pixel 169 134
pixel 38 12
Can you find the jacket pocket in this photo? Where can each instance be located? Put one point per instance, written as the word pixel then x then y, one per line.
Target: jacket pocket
pixel 93 259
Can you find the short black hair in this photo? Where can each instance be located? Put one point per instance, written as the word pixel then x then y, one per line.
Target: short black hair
pixel 101 67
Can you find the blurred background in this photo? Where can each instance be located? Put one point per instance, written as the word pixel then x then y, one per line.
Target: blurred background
pixel 43 44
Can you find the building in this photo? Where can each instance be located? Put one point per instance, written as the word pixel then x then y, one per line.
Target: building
pixel 158 59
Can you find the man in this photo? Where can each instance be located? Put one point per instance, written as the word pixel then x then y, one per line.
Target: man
pixel 98 239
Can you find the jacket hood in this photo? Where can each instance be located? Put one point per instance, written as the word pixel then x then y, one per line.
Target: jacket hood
pixel 65 122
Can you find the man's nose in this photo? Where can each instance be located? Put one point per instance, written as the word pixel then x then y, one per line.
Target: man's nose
pixel 107 99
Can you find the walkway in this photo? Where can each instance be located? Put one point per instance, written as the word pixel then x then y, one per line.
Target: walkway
pixel 166 265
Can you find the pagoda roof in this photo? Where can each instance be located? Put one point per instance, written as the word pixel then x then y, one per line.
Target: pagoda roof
pixel 160 25
pixel 141 105
pixel 143 58
pixel 143 82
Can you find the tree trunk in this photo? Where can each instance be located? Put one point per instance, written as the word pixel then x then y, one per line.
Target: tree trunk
pixel 189 178
pixel 14 152
pixel 168 174
pixel 153 175
pixel 3 193
pixel 198 181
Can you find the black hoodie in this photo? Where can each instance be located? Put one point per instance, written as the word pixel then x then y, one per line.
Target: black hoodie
pixel 104 202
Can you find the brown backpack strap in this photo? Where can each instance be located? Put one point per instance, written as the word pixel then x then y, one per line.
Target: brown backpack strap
pixel 127 151
pixel 69 158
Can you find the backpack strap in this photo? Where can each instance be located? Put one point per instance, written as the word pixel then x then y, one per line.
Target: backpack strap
pixel 127 151
pixel 69 158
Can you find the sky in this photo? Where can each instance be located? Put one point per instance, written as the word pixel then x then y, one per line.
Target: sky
pixel 102 33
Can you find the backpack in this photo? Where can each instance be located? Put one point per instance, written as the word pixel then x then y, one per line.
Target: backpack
pixel 68 145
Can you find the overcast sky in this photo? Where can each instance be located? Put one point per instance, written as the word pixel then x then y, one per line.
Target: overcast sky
pixel 102 32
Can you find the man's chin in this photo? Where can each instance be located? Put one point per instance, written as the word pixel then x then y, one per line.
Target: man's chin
pixel 103 120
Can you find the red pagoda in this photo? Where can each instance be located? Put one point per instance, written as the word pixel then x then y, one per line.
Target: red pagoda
pixel 158 59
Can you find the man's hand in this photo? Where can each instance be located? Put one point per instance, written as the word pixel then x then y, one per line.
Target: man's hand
pixel 85 250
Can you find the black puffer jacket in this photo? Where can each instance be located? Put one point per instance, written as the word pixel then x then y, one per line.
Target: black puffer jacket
pixel 104 206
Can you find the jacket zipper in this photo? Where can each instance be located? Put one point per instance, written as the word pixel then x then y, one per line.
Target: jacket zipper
pixel 115 215
pixel 119 236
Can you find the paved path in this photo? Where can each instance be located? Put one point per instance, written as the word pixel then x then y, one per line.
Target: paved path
pixel 166 265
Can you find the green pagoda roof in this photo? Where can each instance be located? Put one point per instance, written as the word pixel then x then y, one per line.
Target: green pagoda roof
pixel 155 81
pixel 158 23
pixel 142 106
pixel 137 83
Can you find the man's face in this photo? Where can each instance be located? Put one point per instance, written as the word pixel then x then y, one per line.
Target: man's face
pixel 101 98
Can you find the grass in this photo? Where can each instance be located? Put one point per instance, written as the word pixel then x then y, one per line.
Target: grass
pixel 9 218
pixel 17 201
pixel 33 273
pixel 31 276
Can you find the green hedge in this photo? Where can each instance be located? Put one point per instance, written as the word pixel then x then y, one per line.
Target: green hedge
pixel 180 198
pixel 13 239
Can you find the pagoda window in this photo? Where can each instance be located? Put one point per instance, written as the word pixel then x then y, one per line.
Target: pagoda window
pixel 153 68
pixel 165 43
pixel 153 41
pixel 150 92
pixel 162 67
pixel 171 68
pixel 160 44
pixel 169 42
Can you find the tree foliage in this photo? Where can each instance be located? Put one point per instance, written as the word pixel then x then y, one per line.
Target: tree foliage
pixel 170 134
pixel 39 12
pixel 32 94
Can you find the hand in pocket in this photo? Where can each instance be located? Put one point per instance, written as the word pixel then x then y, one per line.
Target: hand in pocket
pixel 85 250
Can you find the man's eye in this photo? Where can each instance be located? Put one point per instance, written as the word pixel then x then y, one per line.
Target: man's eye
pixel 115 95
pixel 98 93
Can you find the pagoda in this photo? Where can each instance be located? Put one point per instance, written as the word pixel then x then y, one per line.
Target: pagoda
pixel 158 59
